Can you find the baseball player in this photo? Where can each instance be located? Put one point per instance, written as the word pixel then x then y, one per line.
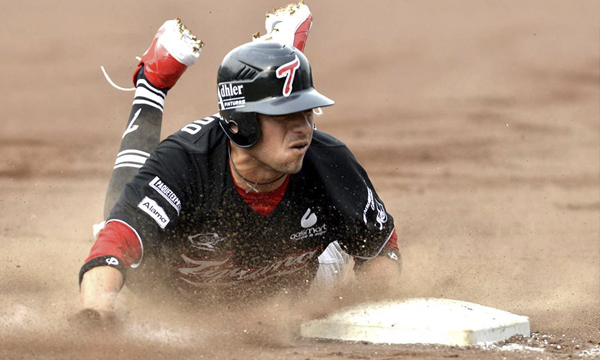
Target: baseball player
pixel 245 202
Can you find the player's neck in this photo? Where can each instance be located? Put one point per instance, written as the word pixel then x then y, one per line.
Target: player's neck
pixel 251 174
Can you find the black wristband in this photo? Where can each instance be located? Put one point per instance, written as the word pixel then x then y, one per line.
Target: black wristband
pixel 391 254
pixel 106 260
pixel 387 252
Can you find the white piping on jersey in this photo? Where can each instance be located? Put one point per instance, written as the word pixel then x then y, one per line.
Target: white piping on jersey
pixel 380 249
pixel 133 266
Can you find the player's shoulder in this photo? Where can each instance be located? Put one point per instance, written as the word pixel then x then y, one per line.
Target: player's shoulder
pixel 325 147
pixel 199 137
pixel 325 140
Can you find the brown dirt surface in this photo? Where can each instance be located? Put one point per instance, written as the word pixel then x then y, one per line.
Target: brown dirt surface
pixel 477 120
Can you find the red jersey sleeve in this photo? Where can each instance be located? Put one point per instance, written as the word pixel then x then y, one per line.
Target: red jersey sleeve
pixel 393 242
pixel 119 240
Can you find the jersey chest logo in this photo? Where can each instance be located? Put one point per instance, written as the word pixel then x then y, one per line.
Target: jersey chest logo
pixel 308 222
pixel 205 241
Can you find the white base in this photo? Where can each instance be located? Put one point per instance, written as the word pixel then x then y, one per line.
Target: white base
pixel 419 321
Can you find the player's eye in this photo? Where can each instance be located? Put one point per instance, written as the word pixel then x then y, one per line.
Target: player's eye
pixel 281 117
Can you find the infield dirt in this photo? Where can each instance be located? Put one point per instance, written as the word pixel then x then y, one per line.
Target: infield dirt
pixel 478 122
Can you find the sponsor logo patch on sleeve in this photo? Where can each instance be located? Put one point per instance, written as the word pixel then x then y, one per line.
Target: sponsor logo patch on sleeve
pixel 155 211
pixel 163 190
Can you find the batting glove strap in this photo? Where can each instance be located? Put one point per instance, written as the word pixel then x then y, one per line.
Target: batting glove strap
pixel 107 260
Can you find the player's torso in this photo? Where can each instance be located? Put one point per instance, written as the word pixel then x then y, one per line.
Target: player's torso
pixel 220 241
pixel 231 243
pixel 213 239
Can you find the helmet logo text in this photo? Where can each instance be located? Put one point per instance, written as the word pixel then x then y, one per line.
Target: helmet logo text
pixel 288 71
pixel 231 96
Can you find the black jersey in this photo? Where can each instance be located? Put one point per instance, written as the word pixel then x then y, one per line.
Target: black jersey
pixel 197 231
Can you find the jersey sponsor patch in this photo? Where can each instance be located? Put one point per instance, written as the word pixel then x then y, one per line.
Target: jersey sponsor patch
pixel 310 232
pixel 155 211
pixel 231 96
pixel 163 190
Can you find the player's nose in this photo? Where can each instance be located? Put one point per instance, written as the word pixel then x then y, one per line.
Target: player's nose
pixel 302 122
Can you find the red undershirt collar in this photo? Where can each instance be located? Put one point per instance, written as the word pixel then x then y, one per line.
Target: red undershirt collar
pixel 264 202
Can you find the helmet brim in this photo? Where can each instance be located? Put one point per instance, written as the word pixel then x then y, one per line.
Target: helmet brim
pixel 296 102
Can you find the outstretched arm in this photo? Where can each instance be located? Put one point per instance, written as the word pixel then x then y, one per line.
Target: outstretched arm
pixel 103 274
pixel 380 276
pixel 99 289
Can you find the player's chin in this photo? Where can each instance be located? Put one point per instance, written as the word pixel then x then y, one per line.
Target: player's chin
pixel 293 165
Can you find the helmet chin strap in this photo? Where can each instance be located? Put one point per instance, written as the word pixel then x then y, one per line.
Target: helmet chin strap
pixel 252 185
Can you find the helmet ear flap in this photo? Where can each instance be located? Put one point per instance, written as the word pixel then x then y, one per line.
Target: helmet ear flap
pixel 247 128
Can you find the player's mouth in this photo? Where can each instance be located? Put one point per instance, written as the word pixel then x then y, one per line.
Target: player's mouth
pixel 300 146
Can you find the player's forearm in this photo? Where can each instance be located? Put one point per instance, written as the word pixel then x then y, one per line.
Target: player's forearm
pixel 100 287
pixel 380 275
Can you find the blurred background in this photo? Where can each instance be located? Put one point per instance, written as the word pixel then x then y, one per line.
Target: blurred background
pixel 478 122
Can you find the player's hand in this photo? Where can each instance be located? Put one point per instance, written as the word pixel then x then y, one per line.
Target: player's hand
pixel 99 289
pixel 93 319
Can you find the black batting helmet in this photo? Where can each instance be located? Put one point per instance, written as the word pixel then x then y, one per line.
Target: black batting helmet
pixel 267 78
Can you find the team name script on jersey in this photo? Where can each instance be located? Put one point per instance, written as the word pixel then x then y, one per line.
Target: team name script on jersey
pixel 226 271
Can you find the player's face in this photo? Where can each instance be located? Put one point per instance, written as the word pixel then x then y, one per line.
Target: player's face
pixel 284 140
